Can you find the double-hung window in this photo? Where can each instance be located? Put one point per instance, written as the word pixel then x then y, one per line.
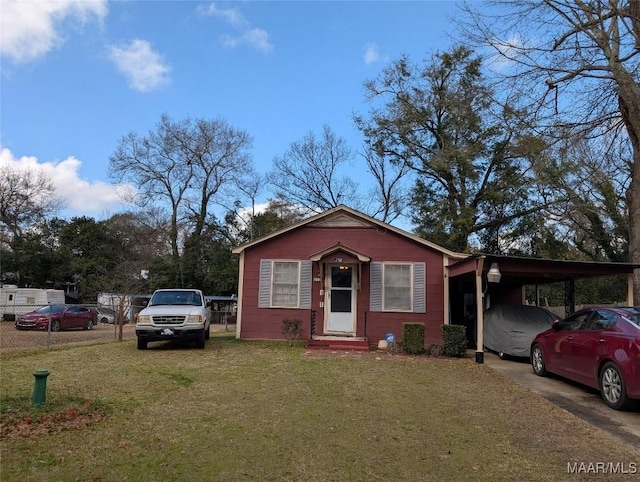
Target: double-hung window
pixel 398 287
pixel 285 280
pixel 285 284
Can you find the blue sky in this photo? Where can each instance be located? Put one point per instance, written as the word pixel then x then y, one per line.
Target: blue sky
pixel 77 76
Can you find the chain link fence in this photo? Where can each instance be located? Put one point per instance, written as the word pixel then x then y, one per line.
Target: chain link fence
pixel 12 339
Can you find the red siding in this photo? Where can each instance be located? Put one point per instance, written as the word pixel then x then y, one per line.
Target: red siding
pixel 379 245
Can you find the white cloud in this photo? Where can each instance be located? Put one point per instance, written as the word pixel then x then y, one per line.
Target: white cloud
pixel 371 54
pixel 232 16
pixel 30 29
pixel 80 197
pixel 144 69
pixel 256 38
pixel 502 58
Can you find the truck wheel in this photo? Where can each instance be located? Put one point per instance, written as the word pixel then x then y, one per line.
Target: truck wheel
pixel 200 339
pixel 207 333
pixel 142 344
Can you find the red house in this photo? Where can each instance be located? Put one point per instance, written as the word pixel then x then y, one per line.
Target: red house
pixel 352 279
pixel 346 276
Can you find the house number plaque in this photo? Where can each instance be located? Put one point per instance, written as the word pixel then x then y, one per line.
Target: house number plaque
pixel 338 260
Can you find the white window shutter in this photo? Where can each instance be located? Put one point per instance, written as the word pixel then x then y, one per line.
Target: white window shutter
pixel 305 284
pixel 375 286
pixel 419 288
pixel 264 290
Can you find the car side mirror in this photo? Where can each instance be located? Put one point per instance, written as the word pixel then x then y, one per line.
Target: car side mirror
pixel 555 325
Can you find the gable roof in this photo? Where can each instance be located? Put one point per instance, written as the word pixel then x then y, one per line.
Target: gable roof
pixel 340 248
pixel 343 216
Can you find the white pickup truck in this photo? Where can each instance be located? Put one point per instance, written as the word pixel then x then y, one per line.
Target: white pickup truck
pixel 179 314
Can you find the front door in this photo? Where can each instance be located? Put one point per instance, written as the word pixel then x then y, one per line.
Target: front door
pixel 340 300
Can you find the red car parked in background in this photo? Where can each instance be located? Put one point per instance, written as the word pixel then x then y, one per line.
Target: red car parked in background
pixel 63 317
pixel 598 347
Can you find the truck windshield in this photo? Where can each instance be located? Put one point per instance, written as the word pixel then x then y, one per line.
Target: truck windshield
pixel 176 298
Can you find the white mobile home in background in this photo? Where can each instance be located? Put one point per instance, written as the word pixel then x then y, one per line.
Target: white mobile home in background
pixel 16 301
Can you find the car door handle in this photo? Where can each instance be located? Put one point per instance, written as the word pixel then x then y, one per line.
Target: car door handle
pixel 602 340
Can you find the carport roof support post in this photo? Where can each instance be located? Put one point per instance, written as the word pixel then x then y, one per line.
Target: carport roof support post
pixel 479 311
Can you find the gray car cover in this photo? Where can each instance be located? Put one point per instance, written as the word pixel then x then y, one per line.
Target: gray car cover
pixel 510 329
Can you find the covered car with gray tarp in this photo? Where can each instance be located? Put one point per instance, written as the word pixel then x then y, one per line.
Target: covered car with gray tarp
pixel 510 329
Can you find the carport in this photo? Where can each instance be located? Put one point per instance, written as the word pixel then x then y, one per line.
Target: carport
pixel 478 281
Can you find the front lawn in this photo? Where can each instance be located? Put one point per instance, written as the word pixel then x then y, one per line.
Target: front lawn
pixel 264 411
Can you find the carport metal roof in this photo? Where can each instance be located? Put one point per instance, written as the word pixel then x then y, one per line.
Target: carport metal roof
pixel 529 271
pixel 516 271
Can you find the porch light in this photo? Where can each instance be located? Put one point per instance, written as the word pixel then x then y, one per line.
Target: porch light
pixel 494 275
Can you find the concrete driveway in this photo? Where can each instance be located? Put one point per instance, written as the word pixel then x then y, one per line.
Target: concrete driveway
pixel 581 401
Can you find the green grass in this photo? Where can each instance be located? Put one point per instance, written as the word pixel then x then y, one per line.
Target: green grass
pixel 264 411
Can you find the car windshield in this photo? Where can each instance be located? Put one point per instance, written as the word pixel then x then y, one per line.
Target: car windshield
pixel 53 309
pixel 176 298
pixel 633 315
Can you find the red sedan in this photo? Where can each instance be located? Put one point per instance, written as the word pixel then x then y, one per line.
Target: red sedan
pixel 63 317
pixel 598 347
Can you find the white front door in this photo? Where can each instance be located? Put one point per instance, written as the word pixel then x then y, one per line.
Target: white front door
pixel 340 299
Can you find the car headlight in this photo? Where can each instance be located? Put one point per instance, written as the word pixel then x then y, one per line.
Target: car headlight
pixel 195 319
pixel 143 319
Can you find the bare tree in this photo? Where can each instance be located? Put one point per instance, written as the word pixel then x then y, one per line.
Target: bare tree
pixel 182 165
pixel 219 156
pixel 389 196
pixel 308 174
pixel 251 185
pixel 26 197
pixel 578 64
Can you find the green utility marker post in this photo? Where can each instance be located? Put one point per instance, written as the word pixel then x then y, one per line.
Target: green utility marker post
pixel 40 387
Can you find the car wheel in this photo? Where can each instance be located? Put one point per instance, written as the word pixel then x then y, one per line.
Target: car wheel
pixel 200 339
pixel 612 387
pixel 89 325
pixel 501 355
pixel 142 344
pixel 207 333
pixel 55 325
pixel 104 320
pixel 537 361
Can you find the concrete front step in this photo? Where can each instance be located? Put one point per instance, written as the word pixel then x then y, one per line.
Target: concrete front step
pixel 338 343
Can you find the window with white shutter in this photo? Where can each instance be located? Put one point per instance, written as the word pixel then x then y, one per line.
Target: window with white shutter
pixel 397 287
pixel 285 284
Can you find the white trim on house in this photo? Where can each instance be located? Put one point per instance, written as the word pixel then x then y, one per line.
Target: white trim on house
pixel 240 303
